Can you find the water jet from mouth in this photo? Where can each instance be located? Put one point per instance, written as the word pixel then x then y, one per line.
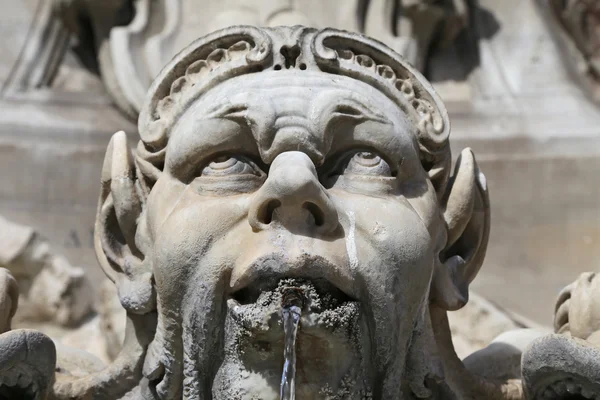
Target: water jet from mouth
pixel 292 303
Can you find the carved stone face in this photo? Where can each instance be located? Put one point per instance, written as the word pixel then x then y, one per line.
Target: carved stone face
pixel 299 175
pixel 281 166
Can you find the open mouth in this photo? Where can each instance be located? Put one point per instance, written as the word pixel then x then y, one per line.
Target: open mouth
pixel 258 307
pixel 301 334
pixel 316 293
pixel 27 364
pixel 18 386
pixel 569 389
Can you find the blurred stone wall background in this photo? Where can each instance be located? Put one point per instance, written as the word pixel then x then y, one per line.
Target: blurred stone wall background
pixel 517 89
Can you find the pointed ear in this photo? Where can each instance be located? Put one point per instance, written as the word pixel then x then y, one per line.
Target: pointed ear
pixel 119 207
pixel 467 215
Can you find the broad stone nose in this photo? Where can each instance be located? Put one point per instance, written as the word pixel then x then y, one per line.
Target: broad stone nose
pixel 293 196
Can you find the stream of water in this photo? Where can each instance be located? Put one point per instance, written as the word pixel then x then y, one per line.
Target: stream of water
pixel 291 319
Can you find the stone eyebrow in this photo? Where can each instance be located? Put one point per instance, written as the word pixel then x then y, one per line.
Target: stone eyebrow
pixel 351 110
pixel 234 111
pixel 348 108
pixel 240 112
pixel 355 110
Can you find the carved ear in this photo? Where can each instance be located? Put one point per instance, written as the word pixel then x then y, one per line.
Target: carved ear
pixel 119 208
pixel 467 215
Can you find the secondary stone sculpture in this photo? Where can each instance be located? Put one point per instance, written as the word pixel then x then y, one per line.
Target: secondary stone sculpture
pixel 564 365
pixel 291 194
pixel 578 309
pixel 51 289
pixel 568 363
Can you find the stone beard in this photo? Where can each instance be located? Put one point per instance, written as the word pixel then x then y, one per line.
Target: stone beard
pixel 287 156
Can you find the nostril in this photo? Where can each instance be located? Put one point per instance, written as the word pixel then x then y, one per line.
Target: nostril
pixel 265 214
pixel 316 211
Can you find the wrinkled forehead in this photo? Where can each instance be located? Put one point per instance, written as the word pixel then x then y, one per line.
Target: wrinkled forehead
pixel 285 109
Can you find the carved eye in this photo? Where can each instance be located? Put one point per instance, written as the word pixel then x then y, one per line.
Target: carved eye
pixel 368 163
pixel 227 165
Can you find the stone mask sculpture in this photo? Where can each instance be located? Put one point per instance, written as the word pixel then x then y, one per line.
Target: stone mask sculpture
pixel 291 154
pixel 289 165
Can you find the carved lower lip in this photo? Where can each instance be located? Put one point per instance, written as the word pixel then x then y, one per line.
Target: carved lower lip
pixel 265 272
